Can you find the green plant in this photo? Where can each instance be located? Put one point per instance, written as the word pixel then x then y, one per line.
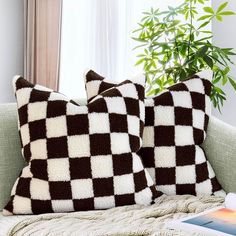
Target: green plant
pixel 177 43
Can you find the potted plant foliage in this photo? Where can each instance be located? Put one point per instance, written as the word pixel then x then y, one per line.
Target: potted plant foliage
pixel 176 43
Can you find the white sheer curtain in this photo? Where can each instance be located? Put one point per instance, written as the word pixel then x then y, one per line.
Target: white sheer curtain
pixel 96 34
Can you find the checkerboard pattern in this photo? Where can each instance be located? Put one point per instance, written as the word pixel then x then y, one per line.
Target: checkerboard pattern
pixel 175 125
pixel 80 157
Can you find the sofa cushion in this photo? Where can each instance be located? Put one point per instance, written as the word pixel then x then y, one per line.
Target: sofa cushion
pixel 175 126
pixel 78 160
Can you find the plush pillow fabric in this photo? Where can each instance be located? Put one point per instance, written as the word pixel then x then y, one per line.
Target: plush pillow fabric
pixel 80 157
pixel 175 127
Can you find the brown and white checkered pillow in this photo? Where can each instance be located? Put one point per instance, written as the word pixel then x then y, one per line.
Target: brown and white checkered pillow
pixel 175 126
pixel 80 157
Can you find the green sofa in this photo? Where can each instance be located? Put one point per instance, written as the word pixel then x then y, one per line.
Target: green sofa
pixel 220 147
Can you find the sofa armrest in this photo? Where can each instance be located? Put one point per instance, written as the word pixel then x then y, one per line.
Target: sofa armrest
pixel 11 160
pixel 220 148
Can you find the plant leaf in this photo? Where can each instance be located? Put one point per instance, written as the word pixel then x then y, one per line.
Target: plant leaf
pixel 232 82
pixel 208 10
pixel 222 6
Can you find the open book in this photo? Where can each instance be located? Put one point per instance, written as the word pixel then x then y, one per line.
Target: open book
pixel 218 221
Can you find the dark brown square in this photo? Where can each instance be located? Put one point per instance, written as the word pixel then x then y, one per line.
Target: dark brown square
pixel 178 87
pixel 56 108
pixel 202 173
pixel 77 124
pixel 57 147
pixel 98 105
pixel 60 190
pixel 122 164
pixel 80 168
pixel 103 187
pixel 23 187
pixel 215 185
pixel 198 101
pixel 185 155
pixel 111 93
pixel 132 106
pixel 37 130
pixel 23 115
pixel 164 99
pixel 27 152
pixel 149 116
pixel 198 136
pixel 22 83
pixel 39 169
pixel 123 200
pixel 147 155
pixel 164 135
pixel 100 144
pixel 165 176
pixel 183 116
pixel 41 207
pixel 118 123
pixel 207 85
pixel 185 189
pixel 84 204
pixel 134 142
pixel 38 96
pixel 140 181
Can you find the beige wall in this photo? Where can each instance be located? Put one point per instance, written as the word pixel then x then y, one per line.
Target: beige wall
pixel 11 45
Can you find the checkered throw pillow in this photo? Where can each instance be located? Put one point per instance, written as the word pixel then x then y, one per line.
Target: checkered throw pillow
pixel 175 126
pixel 80 157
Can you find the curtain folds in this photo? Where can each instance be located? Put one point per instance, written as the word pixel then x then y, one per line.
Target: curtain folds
pixel 42 41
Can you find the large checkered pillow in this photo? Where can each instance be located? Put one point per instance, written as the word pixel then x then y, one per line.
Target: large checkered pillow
pixel 80 157
pixel 175 126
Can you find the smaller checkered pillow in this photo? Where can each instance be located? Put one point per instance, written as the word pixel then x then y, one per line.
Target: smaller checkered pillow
pixel 80 157
pixel 175 126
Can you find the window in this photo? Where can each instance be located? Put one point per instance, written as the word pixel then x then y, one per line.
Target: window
pixel 96 34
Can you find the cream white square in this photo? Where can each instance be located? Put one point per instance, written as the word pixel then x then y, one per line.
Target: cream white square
pixel 56 127
pixel 186 174
pixel 182 99
pixel 72 109
pixel 167 189
pixel 62 205
pixel 199 155
pixel 204 188
pixel 120 143
pixel 39 189
pixel 23 96
pixel 207 105
pixel 39 149
pixel 25 135
pixel 102 166
pixel 195 85
pixel 148 136
pixel 104 202
pixel 124 184
pixel 210 170
pixel 165 157
pixel 78 145
pixel 128 90
pixel 92 88
pixel 183 135
pixel 164 115
pixel 198 119
pixel 116 105
pixel 37 111
pixel 58 169
pixel 144 197
pixel 82 188
pixel 22 205
pixel 57 96
pixel 137 163
pixel 99 123
pixel 133 125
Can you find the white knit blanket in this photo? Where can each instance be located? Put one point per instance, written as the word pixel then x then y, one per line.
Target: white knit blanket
pixel 121 221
